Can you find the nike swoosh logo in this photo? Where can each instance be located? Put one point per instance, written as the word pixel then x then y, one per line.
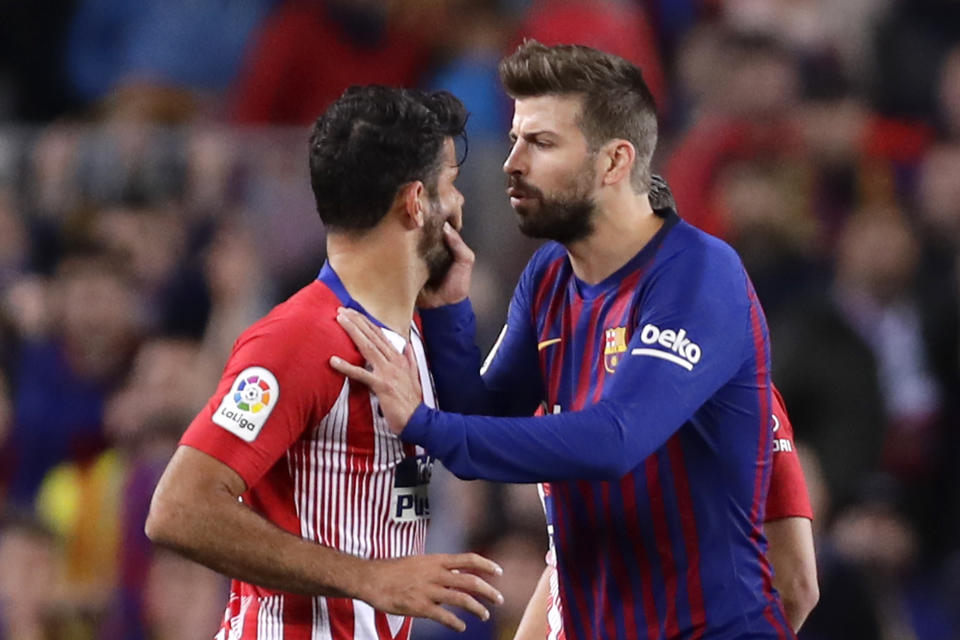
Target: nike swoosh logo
pixel 546 343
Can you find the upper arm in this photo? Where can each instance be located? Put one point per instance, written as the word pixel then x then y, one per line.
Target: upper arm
pixel 192 475
pixel 275 385
pixel 787 495
pixel 691 336
pixel 192 481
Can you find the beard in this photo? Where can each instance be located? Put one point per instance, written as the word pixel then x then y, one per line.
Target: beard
pixel 565 218
pixel 433 248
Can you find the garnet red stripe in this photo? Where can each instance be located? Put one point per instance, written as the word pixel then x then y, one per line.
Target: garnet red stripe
pixel 632 517
pixel 617 567
pixel 763 461
pixel 572 587
pixel 688 527
pixel 664 546
pixel 546 284
pixel 590 361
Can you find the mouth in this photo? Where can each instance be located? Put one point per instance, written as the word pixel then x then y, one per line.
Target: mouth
pixel 517 196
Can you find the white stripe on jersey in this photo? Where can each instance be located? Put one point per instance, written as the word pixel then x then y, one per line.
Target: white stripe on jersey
pixel 364 624
pixel 321 620
pixel 270 618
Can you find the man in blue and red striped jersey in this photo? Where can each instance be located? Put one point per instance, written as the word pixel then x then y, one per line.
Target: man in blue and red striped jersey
pixel 643 337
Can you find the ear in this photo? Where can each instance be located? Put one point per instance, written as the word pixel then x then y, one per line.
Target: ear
pixel 617 158
pixel 412 196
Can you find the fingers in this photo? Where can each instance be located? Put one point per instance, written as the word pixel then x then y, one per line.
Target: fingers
pixel 444 617
pixel 464 601
pixel 352 371
pixel 461 252
pixel 368 339
pixel 469 583
pixel 473 563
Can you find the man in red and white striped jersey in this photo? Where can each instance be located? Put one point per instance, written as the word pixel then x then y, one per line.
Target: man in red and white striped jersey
pixel 289 480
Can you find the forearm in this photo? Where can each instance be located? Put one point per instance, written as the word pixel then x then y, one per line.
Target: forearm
pixel 510 388
pixel 596 443
pixel 208 524
pixel 792 555
pixel 533 624
pixel 450 335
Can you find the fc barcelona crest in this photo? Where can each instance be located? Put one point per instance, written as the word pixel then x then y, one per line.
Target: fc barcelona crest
pixel 614 344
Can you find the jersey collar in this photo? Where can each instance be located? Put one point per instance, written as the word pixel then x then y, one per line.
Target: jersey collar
pixel 330 278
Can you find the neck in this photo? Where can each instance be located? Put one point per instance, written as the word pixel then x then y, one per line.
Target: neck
pixel 382 274
pixel 622 227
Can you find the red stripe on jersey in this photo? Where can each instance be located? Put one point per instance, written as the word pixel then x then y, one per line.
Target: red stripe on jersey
pixel 617 310
pixel 619 574
pixel 383 627
pixel 602 604
pixel 629 491
pixel 249 621
pixel 688 526
pixel 297 609
pixel 561 499
pixel 546 284
pixel 586 368
pixel 763 444
pixel 661 532
pixel 340 611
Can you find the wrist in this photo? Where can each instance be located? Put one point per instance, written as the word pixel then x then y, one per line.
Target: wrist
pixel 361 578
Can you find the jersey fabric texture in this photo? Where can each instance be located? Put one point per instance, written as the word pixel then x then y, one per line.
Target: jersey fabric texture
pixel 318 461
pixel 787 498
pixel 656 452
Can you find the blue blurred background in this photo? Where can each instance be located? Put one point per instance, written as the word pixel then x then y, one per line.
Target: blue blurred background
pixel 154 201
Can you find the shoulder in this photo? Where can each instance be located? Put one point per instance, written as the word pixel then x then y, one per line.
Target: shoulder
pixel 699 256
pixel 303 327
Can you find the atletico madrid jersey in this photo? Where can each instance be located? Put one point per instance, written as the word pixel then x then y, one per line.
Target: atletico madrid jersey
pixel 318 461
pixel 657 450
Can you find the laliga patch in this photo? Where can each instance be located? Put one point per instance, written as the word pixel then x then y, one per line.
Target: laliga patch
pixel 246 407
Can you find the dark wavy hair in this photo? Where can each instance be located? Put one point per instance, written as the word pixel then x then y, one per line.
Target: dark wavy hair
pixel 616 101
pixel 371 142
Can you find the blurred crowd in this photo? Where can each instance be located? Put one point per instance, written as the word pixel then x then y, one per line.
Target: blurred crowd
pixel 154 201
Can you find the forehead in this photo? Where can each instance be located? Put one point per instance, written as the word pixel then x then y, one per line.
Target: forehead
pixel 550 112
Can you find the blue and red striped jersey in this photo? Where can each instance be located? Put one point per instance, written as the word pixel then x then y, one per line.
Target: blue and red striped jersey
pixel 656 450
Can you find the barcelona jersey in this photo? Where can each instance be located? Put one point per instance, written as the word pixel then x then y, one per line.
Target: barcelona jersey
pixel 655 452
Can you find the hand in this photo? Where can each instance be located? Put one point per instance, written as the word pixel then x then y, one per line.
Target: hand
pixel 456 285
pixel 393 376
pixel 418 585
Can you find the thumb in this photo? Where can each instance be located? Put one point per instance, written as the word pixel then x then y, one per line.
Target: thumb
pixel 461 252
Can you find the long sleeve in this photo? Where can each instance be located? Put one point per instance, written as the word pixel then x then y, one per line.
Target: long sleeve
pixel 508 383
pixel 697 328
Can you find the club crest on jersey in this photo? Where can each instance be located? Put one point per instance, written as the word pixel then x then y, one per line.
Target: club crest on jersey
pixel 614 344
pixel 245 408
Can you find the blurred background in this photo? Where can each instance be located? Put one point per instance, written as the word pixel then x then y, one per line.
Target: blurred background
pixel 154 201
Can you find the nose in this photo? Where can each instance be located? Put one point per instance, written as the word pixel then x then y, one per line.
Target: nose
pixel 514 164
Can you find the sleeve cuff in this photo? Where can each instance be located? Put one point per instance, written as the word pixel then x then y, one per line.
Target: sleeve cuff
pixel 448 316
pixel 417 428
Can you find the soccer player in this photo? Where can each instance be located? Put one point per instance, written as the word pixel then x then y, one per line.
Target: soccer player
pixel 643 338
pixel 787 524
pixel 289 480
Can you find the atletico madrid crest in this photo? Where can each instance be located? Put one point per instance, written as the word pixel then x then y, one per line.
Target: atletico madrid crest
pixel 614 344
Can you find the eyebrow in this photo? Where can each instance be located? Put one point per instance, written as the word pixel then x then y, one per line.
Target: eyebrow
pixel 533 134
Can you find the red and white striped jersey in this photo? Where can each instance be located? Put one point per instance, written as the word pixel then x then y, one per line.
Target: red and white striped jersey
pixel 318 461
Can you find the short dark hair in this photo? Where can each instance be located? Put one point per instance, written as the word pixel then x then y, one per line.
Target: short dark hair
pixel 616 101
pixel 372 141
